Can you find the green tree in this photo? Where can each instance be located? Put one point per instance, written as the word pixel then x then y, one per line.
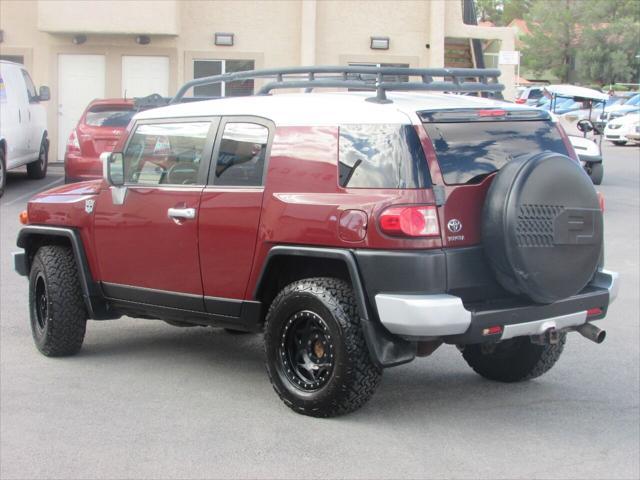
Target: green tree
pixel 513 9
pixel 550 47
pixel 609 41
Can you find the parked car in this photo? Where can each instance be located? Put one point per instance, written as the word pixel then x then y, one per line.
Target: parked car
pixel 530 95
pixel 634 134
pixel 23 123
pixel 99 130
pixel 358 230
pixel 618 129
pixel 619 110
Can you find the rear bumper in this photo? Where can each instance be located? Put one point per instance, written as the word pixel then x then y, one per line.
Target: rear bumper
pixel 78 168
pixel 445 316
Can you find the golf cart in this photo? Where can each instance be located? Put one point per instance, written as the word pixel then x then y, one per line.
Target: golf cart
pixel 580 126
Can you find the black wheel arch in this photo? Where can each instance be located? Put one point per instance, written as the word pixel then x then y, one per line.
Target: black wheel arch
pixel 286 264
pixel 32 237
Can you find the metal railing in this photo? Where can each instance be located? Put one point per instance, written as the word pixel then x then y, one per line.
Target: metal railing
pixel 453 80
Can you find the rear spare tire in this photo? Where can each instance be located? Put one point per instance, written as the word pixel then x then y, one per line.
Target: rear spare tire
pixel 542 227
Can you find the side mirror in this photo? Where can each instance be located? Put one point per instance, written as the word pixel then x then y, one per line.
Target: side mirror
pixel 585 126
pixel 44 94
pixel 113 168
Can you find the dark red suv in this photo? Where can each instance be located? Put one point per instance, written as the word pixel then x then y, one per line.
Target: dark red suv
pixel 357 230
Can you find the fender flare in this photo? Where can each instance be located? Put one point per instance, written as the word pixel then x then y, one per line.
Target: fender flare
pixel 385 349
pixel 97 308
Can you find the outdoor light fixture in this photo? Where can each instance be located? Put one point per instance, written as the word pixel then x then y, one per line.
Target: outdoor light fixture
pixel 380 43
pixel 143 40
pixel 223 39
pixel 79 39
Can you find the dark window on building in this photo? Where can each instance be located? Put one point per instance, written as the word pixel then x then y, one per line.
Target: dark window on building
pixel 381 156
pixel 242 155
pixel 207 68
pixel 468 151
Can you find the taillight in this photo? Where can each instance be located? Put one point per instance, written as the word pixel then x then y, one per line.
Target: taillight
pixel 413 221
pixel 601 201
pixel 73 146
pixel 521 100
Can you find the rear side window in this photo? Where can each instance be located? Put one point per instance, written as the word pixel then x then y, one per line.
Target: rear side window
pixel 381 156
pixel 241 156
pixel 468 151
pixel 105 116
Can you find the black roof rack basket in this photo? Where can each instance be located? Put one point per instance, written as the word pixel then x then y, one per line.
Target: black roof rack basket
pixel 378 79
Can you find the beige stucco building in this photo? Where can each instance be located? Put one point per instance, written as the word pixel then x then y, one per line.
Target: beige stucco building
pixel 88 49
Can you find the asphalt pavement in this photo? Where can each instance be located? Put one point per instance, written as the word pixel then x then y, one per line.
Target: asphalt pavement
pixel 147 400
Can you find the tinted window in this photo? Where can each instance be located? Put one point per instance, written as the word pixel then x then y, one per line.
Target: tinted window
pixel 381 156
pixel 468 151
pixel 535 93
pixel 109 116
pixel 207 68
pixel 31 89
pixel 166 154
pixel 242 154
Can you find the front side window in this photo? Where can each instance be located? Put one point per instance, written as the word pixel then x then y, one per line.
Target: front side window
pixel 166 153
pixel 381 156
pixel 31 88
pixel 207 68
pixel 242 155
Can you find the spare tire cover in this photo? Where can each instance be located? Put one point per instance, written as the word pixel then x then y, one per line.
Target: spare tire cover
pixel 542 227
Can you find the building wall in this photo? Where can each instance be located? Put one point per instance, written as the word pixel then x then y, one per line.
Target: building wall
pixel 273 33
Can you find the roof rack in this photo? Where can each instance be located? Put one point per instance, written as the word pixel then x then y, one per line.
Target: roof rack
pixel 453 80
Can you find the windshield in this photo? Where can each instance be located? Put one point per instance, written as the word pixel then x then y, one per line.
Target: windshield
pixel 109 116
pixel 635 100
pixel 468 151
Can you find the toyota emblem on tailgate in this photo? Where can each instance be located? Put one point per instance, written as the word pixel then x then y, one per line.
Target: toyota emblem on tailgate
pixel 454 225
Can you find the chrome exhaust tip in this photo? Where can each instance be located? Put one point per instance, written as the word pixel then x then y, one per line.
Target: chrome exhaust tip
pixel 592 332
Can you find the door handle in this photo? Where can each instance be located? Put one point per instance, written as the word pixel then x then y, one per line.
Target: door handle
pixel 182 213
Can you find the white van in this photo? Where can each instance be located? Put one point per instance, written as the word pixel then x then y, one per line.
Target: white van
pixel 23 123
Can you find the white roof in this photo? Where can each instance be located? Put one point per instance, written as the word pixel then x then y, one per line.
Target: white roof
pixel 573 91
pixel 325 109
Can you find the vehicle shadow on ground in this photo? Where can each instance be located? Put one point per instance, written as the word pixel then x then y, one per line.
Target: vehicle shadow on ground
pixel 424 385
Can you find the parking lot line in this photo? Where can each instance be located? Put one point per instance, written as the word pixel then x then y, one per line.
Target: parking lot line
pixel 31 194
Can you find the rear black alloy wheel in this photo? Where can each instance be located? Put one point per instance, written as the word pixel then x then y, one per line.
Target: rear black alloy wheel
pixel 513 360
pixel 316 355
pixel 38 169
pixel 306 351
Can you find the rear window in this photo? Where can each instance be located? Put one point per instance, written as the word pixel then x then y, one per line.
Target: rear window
pixel 535 93
pixel 109 116
pixel 381 156
pixel 468 151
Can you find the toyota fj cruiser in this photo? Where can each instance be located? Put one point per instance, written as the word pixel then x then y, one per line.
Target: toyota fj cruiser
pixel 357 231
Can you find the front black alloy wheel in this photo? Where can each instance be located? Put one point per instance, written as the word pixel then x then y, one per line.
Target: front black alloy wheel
pixel 57 310
pixel 316 355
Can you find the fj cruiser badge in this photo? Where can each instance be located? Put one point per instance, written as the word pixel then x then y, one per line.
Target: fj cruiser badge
pixel 88 205
pixel 454 225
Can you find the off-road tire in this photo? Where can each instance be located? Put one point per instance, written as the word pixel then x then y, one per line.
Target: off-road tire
pixel 514 360
pixel 38 169
pixel 354 377
pixel 58 329
pixel 597 173
pixel 3 171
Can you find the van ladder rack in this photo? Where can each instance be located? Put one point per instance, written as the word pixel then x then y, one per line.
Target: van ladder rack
pixel 453 80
